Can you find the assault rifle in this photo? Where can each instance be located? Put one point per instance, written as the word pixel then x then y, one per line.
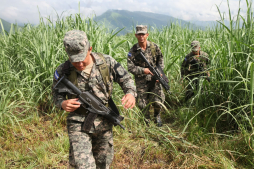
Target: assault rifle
pixel 157 74
pixel 91 103
pixel 199 67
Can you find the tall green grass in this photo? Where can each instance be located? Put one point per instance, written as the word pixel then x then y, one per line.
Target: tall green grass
pixel 216 124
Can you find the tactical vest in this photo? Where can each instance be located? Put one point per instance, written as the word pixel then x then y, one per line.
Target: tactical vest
pixel 152 46
pixel 103 68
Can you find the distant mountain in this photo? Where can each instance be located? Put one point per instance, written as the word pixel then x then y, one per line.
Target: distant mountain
pixel 122 18
pixel 6 25
pixel 209 23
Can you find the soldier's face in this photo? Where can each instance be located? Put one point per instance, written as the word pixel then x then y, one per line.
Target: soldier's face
pixel 142 37
pixel 196 52
pixel 82 65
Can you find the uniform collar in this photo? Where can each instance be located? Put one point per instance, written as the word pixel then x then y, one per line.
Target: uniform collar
pixel 200 53
pixel 148 43
pixel 97 58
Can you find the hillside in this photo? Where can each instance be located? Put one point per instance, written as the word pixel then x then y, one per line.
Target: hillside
pixel 6 25
pixel 214 129
pixel 122 18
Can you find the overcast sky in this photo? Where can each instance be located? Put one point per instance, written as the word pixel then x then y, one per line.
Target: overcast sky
pixel 24 11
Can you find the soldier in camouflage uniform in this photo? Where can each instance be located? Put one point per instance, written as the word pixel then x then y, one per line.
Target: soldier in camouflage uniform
pixel 193 64
pixel 148 90
pixel 93 149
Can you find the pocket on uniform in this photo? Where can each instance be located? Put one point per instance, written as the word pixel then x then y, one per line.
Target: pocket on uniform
pixel 148 77
pixel 140 81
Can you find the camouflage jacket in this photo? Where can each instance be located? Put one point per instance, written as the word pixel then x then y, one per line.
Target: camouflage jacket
pixel 95 83
pixel 137 66
pixel 192 64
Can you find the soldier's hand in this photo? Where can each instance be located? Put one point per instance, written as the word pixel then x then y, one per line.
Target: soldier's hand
pixel 70 105
pixel 158 80
pixel 147 71
pixel 128 101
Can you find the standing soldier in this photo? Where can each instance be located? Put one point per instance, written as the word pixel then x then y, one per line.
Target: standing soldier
pixel 148 90
pixel 94 72
pixel 193 67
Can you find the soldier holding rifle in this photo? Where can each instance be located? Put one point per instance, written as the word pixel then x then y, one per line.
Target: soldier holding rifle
pixel 148 89
pixel 88 71
pixel 193 67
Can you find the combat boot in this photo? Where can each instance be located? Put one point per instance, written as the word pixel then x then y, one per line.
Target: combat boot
pixel 158 120
pixel 147 117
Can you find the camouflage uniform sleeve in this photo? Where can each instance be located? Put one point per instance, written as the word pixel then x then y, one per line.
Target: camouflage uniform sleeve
pixel 135 70
pixel 184 66
pixel 58 98
pixel 205 60
pixel 208 61
pixel 159 57
pixel 122 77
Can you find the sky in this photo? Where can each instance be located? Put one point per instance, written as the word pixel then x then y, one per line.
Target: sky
pixel 28 11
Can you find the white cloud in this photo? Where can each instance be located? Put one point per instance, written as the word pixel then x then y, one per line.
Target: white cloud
pixel 27 10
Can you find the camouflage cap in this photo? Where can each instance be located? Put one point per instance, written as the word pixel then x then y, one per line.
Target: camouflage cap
pixel 141 29
pixel 195 45
pixel 76 45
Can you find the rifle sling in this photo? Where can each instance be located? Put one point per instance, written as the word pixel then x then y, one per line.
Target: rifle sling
pixel 88 123
pixel 112 105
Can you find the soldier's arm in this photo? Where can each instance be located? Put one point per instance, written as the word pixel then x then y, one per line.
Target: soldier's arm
pixel 207 62
pixel 184 67
pixel 159 57
pixel 132 68
pixel 122 77
pixel 58 98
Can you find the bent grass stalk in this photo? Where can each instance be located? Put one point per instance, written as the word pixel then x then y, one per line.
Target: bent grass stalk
pixel 30 56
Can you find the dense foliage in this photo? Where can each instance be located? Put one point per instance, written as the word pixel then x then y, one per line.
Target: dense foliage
pixel 214 128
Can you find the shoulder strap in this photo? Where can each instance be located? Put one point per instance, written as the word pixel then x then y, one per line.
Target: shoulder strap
pixel 152 48
pixel 71 75
pixel 70 72
pixel 135 48
pixel 104 70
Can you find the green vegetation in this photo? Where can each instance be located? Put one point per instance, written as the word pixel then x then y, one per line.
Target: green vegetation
pixel 213 130
pixel 6 25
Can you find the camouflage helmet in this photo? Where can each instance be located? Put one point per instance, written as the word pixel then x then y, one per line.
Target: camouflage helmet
pixel 141 29
pixel 76 45
pixel 195 45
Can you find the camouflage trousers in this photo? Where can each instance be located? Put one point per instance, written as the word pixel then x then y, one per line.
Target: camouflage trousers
pixel 89 150
pixel 150 97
